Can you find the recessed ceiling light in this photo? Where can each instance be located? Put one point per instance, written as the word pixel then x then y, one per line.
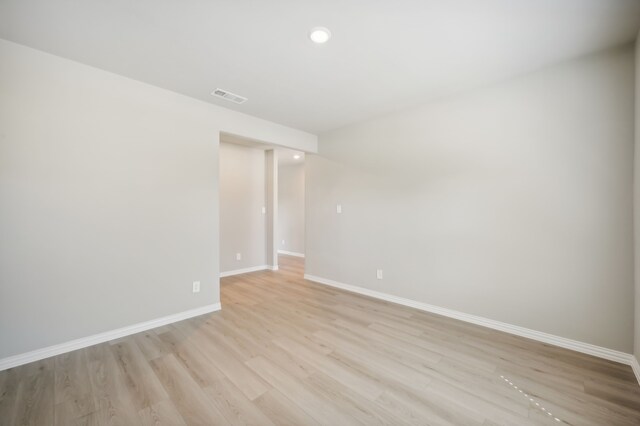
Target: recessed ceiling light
pixel 296 157
pixel 319 35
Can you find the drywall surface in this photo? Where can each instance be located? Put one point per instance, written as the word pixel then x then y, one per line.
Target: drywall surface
pixel 242 197
pixel 513 202
pixel 271 190
pixel 108 199
pixel 291 208
pixel 636 191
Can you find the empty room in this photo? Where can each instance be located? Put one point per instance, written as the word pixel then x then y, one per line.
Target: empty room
pixel 294 212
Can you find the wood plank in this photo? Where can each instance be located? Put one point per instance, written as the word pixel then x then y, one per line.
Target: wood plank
pixel 283 411
pixel 324 411
pixel 143 386
pixel 73 392
pixel 163 413
pixel 34 402
pixel 234 405
pixel 186 395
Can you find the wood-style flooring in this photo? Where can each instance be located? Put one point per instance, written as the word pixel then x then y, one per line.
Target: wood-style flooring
pixel 284 351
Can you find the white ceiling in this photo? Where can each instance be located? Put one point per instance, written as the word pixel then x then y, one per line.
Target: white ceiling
pixel 286 157
pixel 384 55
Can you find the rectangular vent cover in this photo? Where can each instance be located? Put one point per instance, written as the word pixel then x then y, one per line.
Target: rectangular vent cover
pixel 229 96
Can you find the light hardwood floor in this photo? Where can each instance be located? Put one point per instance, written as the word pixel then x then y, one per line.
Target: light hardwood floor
pixel 287 351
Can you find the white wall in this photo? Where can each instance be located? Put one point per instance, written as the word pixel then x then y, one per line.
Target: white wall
pixel 291 208
pixel 637 201
pixel 242 196
pixel 108 199
pixel 512 202
pixel 271 188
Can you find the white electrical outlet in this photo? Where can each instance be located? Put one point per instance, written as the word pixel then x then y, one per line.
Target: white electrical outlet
pixel 339 208
pixel 282 242
pixel 196 286
pixel 264 210
pixel 238 256
pixel 379 274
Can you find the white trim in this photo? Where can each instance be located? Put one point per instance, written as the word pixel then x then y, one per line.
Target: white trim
pixel 291 253
pixel 244 271
pixel 636 367
pixel 563 342
pixel 273 268
pixel 38 354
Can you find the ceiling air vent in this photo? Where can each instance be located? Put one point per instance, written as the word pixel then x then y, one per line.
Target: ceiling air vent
pixel 229 96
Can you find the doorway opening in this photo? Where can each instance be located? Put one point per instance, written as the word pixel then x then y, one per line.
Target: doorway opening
pixel 291 206
pixel 256 227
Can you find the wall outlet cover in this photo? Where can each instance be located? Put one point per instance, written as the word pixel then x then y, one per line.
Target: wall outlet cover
pixel 196 286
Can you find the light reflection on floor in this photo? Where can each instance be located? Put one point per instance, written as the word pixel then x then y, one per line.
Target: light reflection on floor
pixel 532 400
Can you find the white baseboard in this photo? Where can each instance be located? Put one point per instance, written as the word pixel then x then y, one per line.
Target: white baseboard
pixel 291 253
pixel 244 270
pixel 38 354
pixel 273 268
pixel 636 367
pixel 551 339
